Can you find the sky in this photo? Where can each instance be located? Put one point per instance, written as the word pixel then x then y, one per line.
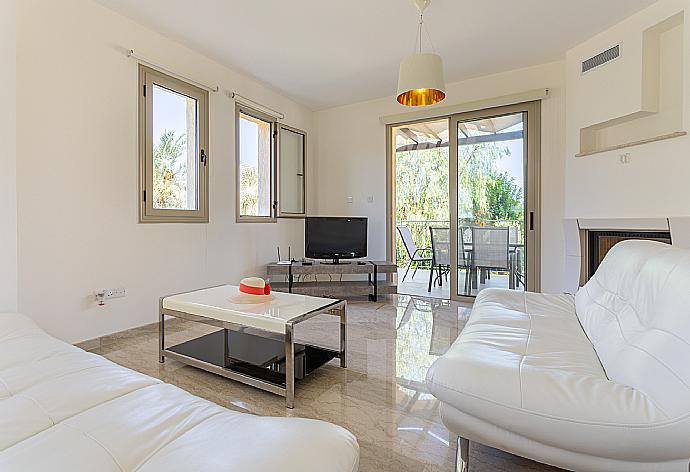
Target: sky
pixel 513 164
pixel 249 143
pixel 169 113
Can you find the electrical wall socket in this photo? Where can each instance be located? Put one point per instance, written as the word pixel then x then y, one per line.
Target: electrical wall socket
pixel 109 293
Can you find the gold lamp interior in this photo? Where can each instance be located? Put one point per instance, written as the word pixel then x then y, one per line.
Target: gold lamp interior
pixel 421 97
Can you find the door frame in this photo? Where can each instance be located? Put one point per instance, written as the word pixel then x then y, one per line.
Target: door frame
pixel 532 161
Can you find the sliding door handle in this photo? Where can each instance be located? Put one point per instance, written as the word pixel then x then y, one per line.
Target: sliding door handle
pixel 531 221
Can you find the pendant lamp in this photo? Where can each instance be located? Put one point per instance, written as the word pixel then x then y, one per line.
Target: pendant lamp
pixel 420 82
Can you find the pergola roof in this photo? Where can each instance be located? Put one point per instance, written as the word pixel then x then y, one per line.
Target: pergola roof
pixel 435 134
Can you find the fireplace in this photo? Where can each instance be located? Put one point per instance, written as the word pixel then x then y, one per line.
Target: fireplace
pixel 599 242
pixel 587 240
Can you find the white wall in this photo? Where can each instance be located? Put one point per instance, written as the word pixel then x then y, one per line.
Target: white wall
pixel 351 149
pixel 656 182
pixel 76 166
pixel 77 175
pixel 8 157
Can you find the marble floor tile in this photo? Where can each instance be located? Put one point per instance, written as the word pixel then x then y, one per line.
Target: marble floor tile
pixel 381 397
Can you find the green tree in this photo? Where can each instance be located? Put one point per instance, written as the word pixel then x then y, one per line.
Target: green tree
pixel 421 189
pixel 504 197
pixel 483 194
pixel 170 171
pixel 422 184
pixel 476 170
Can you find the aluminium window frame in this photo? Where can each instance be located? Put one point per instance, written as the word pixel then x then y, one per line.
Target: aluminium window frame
pixel 532 116
pixel 273 121
pixel 281 213
pixel 148 77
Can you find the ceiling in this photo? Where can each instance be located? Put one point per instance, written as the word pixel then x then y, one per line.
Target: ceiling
pixel 324 53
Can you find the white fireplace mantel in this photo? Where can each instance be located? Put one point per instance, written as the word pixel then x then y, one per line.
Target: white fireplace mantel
pixel 624 224
pixel 679 227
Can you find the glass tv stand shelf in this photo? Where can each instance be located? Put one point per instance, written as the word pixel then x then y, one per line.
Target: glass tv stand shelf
pixel 319 279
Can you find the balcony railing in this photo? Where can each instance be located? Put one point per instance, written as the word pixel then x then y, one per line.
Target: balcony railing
pixel 422 235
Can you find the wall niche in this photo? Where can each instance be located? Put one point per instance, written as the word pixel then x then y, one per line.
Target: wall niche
pixel 660 112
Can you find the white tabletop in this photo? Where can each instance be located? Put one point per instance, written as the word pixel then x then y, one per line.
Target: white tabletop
pixel 226 303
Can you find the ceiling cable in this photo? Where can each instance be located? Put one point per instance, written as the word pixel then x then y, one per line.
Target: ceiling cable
pixel 419 37
pixel 421 26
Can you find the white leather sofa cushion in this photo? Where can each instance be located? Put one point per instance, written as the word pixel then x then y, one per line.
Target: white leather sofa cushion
pixel 527 351
pixel 314 448
pixel 64 409
pixel 525 376
pixel 636 312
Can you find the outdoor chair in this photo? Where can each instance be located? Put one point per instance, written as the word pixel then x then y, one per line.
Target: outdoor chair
pixel 490 251
pixel 513 235
pixel 440 255
pixel 516 255
pixel 416 255
pixel 520 278
pixel 465 257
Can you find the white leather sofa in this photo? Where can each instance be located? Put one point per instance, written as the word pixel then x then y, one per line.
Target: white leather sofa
pixel 595 382
pixel 62 409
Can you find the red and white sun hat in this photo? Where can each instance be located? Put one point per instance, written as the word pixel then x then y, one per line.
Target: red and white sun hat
pixel 253 290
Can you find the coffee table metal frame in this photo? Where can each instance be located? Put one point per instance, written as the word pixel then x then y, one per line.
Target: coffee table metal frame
pixel 337 308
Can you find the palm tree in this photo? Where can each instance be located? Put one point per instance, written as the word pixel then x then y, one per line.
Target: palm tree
pixel 249 185
pixel 170 171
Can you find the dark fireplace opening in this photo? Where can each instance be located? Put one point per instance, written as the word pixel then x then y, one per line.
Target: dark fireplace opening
pixel 600 242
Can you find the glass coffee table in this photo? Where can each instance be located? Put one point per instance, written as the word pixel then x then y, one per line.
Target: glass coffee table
pixel 255 344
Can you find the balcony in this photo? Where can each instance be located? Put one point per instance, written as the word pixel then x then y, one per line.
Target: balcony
pixel 472 278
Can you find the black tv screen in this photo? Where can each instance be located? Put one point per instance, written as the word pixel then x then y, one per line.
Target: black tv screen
pixel 335 238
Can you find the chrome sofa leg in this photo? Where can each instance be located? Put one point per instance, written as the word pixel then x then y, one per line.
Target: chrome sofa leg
pixel 462 455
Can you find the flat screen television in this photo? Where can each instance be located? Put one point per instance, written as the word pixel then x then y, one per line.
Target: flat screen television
pixel 335 238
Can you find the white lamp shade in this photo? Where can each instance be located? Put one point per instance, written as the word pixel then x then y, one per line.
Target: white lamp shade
pixel 421 80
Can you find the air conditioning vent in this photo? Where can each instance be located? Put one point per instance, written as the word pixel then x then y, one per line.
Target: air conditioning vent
pixel 601 59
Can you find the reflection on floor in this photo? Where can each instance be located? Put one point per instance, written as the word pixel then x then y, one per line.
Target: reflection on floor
pixel 381 397
pixel 419 284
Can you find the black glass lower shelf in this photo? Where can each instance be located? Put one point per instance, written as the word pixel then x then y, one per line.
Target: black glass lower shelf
pixel 257 356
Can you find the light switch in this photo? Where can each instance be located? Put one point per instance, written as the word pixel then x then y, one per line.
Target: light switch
pixel 350 199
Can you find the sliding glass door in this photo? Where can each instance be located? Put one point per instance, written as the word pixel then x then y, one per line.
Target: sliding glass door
pixel 469 209
pixel 494 192
pixel 420 162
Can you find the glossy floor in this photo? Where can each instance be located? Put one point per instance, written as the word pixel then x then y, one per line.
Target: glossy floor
pixel 381 397
pixel 419 284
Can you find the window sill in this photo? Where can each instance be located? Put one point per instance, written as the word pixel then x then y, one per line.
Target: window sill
pixel 172 219
pixel 256 219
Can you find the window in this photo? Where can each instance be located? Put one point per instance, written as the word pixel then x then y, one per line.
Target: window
pixel 173 137
pixel 271 162
pixel 292 152
pixel 255 165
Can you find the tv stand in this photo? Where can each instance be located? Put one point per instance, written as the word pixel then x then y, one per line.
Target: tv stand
pixel 334 262
pixel 325 279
